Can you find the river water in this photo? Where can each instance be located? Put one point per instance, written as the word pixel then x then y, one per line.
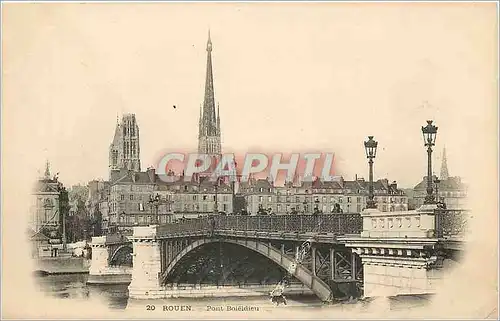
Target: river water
pixel 115 297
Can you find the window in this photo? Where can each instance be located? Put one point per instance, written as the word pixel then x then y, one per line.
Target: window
pixel 270 199
pixel 279 207
pixel 340 200
pixel 194 197
pixel 332 199
pixel 122 197
pixel 185 187
pixel 348 200
pixel 261 189
pixel 358 208
pixel 324 199
pixel 297 199
pixel 260 198
pixel 224 207
pixel 214 197
pixel 131 197
pixel 204 197
pixel 358 199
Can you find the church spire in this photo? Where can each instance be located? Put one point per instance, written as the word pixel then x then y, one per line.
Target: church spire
pixel 444 167
pixel 47 170
pixel 218 119
pixel 209 131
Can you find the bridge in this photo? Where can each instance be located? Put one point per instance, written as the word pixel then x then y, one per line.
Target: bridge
pixel 372 253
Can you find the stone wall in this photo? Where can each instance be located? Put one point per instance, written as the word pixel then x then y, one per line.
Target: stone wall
pixel 62 265
pixel 383 280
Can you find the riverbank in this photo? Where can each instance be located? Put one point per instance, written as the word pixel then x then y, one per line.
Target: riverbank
pixel 111 275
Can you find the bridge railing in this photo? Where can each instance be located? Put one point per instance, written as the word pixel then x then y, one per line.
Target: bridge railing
pixel 331 223
pixel 451 223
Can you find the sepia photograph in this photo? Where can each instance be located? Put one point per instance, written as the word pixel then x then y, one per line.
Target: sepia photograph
pixel 249 160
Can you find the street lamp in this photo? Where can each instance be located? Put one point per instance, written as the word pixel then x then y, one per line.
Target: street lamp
pixel 155 202
pixel 436 182
pixel 429 134
pixel 371 152
pixel 216 206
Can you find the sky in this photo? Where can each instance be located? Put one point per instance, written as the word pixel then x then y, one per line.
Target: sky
pixel 288 77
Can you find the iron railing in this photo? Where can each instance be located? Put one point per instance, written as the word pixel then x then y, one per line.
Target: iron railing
pixel 451 222
pixel 339 224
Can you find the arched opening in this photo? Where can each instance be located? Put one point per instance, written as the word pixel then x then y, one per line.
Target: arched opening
pixel 220 263
pixel 122 257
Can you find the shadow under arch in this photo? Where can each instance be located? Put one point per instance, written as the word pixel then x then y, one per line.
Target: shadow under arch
pixel 122 256
pixel 304 275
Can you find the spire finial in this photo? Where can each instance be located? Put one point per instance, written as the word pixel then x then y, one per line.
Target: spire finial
pixel 209 42
pixel 47 169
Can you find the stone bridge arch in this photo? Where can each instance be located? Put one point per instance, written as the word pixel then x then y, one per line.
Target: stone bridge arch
pixel 304 275
pixel 121 255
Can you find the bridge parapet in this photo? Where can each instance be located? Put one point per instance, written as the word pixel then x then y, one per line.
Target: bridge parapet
pixel 339 224
pixel 403 224
pixel 426 222
pixel 98 241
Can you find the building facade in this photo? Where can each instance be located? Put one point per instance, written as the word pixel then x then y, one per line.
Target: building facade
pixel 137 198
pixel 48 214
pixel 321 197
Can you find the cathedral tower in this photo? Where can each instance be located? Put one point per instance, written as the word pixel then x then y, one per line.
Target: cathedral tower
pixel 209 140
pixel 124 151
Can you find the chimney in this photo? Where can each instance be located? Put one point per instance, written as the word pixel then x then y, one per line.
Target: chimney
pixel 356 177
pixel 152 174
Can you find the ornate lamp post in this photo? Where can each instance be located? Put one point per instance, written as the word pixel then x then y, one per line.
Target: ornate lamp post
pixel 155 203
pixel 216 206
pixel 371 152
pixel 429 133
pixel 436 182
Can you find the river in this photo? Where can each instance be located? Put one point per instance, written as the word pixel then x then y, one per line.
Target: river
pixel 74 287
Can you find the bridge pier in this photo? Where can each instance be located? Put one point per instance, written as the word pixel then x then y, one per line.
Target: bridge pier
pixel 100 271
pixel 399 252
pixel 147 260
pixel 100 256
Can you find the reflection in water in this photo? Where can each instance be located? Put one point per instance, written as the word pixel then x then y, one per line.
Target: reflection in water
pixel 74 286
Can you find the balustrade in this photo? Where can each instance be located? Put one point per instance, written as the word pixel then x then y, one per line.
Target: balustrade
pixel 451 222
pixel 332 223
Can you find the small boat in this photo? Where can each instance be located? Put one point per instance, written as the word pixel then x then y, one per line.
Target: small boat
pixel 40 273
